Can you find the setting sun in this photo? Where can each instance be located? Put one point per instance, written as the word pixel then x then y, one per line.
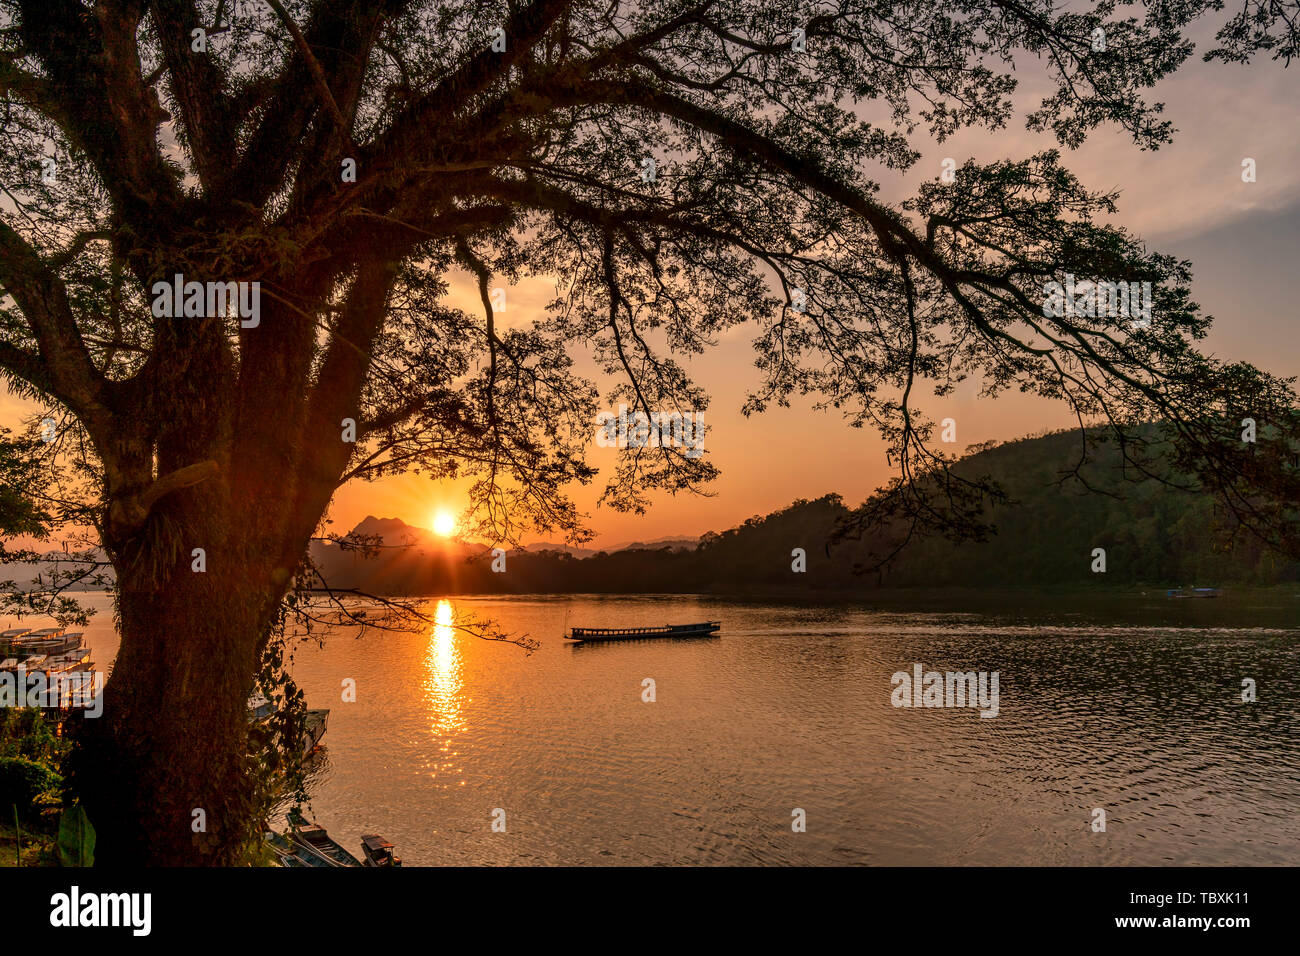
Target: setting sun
pixel 444 523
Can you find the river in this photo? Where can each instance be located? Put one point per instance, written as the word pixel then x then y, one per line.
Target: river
pixel 1126 703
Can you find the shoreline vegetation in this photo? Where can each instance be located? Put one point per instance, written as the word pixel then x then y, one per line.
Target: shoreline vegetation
pixel 41 821
pixel 31 784
pixel 37 848
pixel 1049 534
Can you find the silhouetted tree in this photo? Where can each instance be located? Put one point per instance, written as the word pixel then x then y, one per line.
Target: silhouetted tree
pixel 682 167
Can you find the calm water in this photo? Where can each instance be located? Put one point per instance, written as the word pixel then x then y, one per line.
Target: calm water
pixel 1131 704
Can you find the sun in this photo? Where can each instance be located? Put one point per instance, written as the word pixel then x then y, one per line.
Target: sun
pixel 444 523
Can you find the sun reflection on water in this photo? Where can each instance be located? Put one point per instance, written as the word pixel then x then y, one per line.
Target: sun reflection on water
pixel 444 687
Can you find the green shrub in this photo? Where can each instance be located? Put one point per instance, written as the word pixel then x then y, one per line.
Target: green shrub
pixel 27 732
pixel 22 781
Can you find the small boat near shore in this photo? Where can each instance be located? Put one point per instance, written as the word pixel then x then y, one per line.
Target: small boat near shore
pixel 315 722
pixel 289 854
pixel 1194 592
pixel 307 844
pixel 313 728
pixel 62 658
pixel 582 634
pixel 320 848
pixel 23 642
pixel 378 851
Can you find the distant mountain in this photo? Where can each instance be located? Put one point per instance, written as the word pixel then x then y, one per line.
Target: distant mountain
pixel 386 526
pixel 395 531
pixel 676 544
pixel 55 563
pixel 404 560
pixel 1152 535
pixel 539 546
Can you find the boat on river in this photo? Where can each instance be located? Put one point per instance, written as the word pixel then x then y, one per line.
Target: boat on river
pixel 314 722
pixel 308 845
pixel 48 640
pixel 315 846
pixel 582 634
pixel 287 853
pixel 8 637
pixel 61 656
pixel 1194 592
pixel 378 851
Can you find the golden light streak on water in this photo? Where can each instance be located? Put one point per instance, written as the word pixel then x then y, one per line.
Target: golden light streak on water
pixel 444 687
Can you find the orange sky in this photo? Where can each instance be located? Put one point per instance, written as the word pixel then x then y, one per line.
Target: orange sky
pixel 1186 199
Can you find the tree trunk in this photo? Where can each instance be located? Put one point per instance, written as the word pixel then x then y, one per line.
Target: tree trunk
pixel 164 772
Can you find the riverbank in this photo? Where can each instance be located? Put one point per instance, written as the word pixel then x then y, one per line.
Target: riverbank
pixel 37 849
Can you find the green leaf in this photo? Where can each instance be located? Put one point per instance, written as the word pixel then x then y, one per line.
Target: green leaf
pixel 76 838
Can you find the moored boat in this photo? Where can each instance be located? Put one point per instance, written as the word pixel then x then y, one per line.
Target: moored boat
pixel 313 728
pixel 8 637
pixel 82 697
pixel 321 849
pixel 315 722
pixel 377 851
pixel 68 660
pixel 1194 592
pixel 308 845
pixel 259 708
pixel 642 633
pixel 290 854
pixel 61 656
pixel 50 640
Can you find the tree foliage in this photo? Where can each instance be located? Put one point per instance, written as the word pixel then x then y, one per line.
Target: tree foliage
pixel 224 163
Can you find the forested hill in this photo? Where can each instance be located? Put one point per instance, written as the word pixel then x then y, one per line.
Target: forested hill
pixel 1152 535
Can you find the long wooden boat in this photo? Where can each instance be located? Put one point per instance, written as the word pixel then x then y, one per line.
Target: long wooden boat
pixel 290 854
pixel 320 849
pixel 50 641
pixel 307 844
pixel 44 633
pixel 8 637
pixel 642 633
pixel 68 660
